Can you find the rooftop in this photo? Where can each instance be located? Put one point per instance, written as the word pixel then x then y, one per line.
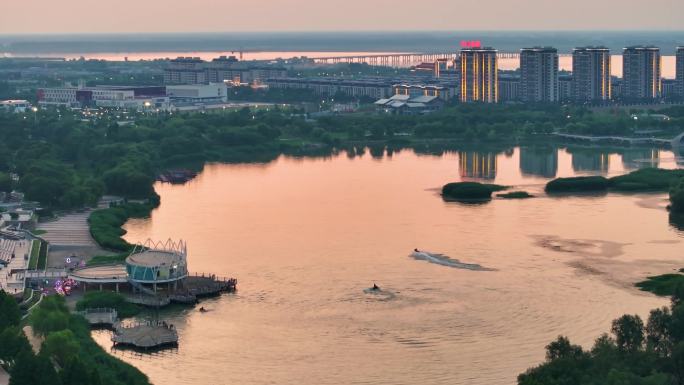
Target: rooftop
pixel 153 258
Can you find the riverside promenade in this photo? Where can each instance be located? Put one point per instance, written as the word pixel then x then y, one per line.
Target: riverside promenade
pixel 69 235
pixel 11 277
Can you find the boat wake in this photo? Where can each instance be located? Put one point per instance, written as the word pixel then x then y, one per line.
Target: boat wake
pixel 441 259
pixel 379 294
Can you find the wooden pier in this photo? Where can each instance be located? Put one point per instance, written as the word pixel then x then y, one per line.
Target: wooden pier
pixel 146 335
pixel 100 316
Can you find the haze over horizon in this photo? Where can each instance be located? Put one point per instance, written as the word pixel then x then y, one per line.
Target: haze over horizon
pixel 157 16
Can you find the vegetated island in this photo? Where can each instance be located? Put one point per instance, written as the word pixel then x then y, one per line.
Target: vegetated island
pixel 515 195
pixel 469 191
pixel 643 180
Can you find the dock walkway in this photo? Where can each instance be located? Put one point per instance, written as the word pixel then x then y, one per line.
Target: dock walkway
pixel 100 316
pixel 148 335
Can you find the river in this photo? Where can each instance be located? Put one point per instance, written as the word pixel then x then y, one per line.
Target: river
pixel 306 236
pixel 668 62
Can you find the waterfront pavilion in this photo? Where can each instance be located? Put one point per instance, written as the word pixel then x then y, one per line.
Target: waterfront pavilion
pixel 148 266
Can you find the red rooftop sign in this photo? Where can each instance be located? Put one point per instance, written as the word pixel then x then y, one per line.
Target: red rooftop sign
pixel 470 44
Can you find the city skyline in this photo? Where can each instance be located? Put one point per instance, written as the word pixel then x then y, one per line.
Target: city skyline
pixel 155 16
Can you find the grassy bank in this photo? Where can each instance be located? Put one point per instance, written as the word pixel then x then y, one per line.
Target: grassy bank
pixel 663 285
pixel 643 180
pixel 105 299
pixel 33 260
pixel 68 339
pixel 42 255
pixel 647 179
pixel 105 224
pixel 577 184
pixel 108 259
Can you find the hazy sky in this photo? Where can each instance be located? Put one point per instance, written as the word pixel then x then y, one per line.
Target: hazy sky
pixel 80 16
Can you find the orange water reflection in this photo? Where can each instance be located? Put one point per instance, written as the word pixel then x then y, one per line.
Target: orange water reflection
pixel 306 236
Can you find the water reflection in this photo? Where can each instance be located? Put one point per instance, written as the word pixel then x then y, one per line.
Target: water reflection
pixel 640 157
pixel 540 161
pixel 478 165
pixel 306 234
pixel 589 160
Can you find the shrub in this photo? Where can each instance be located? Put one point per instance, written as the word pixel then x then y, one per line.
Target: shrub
pixel 469 190
pixel 577 184
pixel 515 195
pixel 677 197
pixel 105 224
pixel 647 179
pixel 105 299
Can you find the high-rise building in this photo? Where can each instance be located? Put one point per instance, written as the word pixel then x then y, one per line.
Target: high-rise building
pixel 539 74
pixel 479 75
pixel 641 73
pixel 680 71
pixel 591 74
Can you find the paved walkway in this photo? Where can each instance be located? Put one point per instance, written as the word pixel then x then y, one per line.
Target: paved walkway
pixel 68 230
pixel 68 236
pixel 15 283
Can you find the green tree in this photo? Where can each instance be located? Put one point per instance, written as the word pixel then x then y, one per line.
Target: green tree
pixel 50 316
pixel 562 348
pixel 75 372
pixel 658 331
pixel 5 182
pixel 677 196
pixel 12 342
pixel 629 332
pixel 33 370
pixel 61 346
pixel 10 315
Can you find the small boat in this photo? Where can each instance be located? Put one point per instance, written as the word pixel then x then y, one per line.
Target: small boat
pixel 203 310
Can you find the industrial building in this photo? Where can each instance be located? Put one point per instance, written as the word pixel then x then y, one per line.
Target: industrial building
pixel 479 75
pixel 539 75
pixel 212 93
pixel 415 90
pixel 591 79
pixel 404 104
pixel 138 98
pixel 14 105
pixel 104 96
pixel 193 70
pixel 641 68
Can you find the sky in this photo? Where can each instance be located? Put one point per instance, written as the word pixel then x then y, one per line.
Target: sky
pixel 125 16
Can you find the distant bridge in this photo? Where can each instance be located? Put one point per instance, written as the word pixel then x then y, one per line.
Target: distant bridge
pixel 404 59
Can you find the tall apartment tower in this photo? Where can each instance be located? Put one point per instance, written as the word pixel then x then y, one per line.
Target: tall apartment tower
pixel 539 74
pixel 680 71
pixel 591 79
pixel 479 75
pixel 641 73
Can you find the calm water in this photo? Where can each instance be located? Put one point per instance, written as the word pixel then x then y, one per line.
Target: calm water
pixel 565 62
pixel 305 237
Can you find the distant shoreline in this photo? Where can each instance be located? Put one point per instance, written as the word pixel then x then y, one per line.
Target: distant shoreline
pixel 381 41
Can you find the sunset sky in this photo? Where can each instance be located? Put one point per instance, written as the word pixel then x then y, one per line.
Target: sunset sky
pixel 79 16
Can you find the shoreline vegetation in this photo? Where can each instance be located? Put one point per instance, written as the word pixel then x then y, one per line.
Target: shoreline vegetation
pixel 65 160
pixel 67 356
pixel 634 352
pixel 642 180
pixel 470 191
pixel 515 195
